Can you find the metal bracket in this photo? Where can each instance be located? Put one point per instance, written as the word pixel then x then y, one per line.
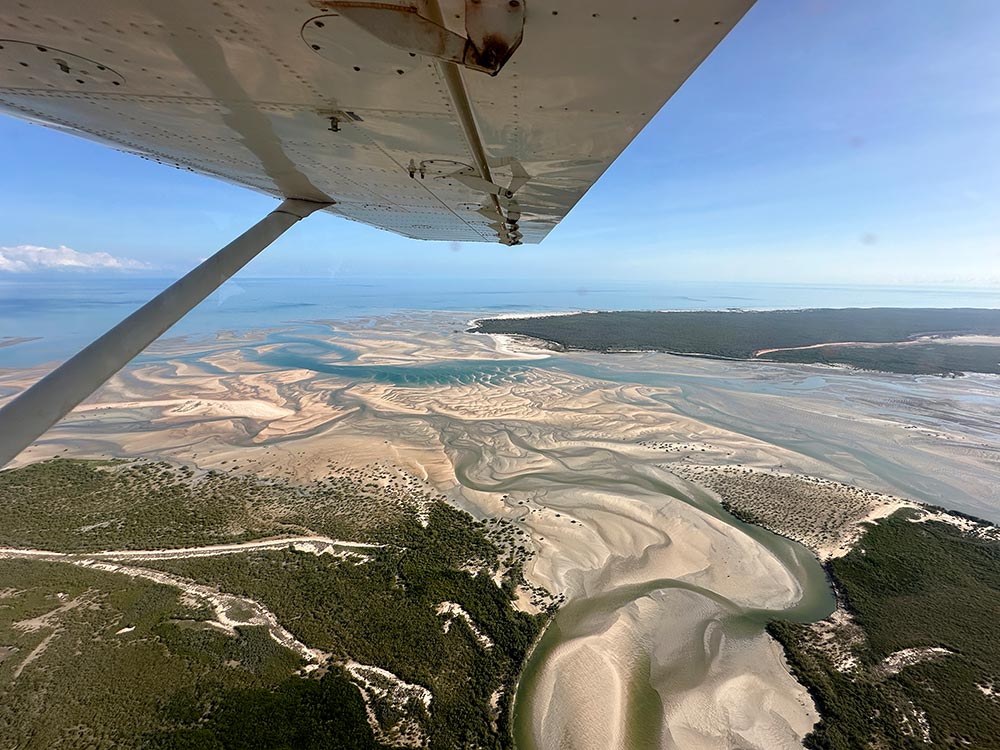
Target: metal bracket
pixel 493 28
pixel 503 219
pixel 518 174
pixel 414 169
pixel 474 182
pixel 503 210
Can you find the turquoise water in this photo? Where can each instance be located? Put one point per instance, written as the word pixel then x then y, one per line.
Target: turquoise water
pixel 65 315
pixel 453 372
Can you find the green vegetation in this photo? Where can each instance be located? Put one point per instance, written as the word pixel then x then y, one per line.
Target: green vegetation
pixel 69 678
pixel 299 713
pixel 132 663
pixel 915 359
pixel 739 335
pixel 88 506
pixel 908 586
pixel 383 612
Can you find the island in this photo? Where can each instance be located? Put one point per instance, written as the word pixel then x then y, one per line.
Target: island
pixel 925 341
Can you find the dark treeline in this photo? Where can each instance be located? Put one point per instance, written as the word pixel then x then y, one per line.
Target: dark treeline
pixel 305 714
pixel 914 359
pixel 909 585
pixel 738 334
pixel 97 505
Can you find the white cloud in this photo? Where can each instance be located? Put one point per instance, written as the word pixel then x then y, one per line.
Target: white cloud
pixel 33 258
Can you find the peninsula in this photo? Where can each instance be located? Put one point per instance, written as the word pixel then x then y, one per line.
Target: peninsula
pixel 922 341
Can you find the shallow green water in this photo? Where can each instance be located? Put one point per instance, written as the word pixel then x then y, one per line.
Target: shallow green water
pixel 645 710
pixel 452 372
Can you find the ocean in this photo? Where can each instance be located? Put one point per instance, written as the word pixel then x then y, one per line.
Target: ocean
pixel 62 316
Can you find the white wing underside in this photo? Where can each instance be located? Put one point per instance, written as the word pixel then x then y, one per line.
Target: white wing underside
pixel 237 91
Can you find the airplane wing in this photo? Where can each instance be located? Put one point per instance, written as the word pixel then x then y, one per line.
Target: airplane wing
pixel 466 120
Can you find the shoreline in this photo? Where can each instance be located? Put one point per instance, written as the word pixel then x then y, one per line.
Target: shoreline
pixel 850 664
pixel 516 684
pixel 912 341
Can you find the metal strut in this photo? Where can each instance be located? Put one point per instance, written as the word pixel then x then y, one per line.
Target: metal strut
pixel 33 412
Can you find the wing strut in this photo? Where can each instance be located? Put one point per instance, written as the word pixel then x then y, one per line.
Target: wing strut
pixel 29 415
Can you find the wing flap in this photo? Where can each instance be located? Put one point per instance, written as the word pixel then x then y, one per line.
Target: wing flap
pixel 295 100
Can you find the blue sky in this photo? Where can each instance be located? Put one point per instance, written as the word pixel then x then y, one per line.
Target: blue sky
pixel 824 141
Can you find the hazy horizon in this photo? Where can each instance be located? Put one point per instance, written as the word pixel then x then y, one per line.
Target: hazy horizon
pixel 820 143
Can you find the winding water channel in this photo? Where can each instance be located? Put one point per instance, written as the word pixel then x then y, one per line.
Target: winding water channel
pixel 578 618
pixel 824 418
